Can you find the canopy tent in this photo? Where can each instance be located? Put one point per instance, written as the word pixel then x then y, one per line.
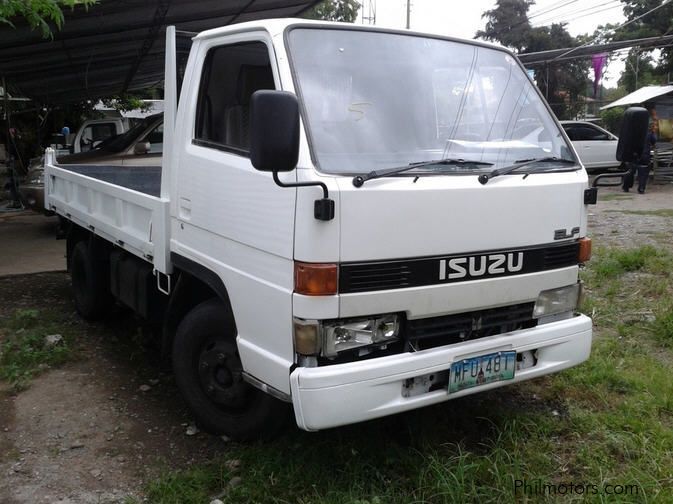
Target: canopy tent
pixel 642 95
pixel 115 46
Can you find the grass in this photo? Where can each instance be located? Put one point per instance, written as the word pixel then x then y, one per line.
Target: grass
pixel 611 263
pixel 614 197
pixel 662 212
pixel 606 422
pixel 24 352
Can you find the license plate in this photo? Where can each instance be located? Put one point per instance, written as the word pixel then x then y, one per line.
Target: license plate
pixel 481 370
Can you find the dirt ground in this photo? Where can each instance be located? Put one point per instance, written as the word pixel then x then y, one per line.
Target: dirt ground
pixel 35 236
pixel 94 430
pixel 632 219
pixel 87 432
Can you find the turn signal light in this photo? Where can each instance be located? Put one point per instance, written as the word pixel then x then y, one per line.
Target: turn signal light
pixel 584 253
pixel 312 279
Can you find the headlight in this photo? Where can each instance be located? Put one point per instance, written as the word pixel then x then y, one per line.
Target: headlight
pixel 341 336
pixel 563 300
pixel 333 337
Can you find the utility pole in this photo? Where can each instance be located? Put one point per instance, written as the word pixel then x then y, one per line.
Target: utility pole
pixel 408 14
pixel 369 12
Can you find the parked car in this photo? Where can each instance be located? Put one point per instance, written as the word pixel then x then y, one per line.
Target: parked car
pixel 142 145
pixel 596 147
pixel 95 131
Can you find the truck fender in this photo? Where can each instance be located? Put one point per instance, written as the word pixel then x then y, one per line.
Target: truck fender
pixel 195 284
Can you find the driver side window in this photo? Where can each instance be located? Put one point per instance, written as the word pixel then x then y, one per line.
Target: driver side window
pixel 231 75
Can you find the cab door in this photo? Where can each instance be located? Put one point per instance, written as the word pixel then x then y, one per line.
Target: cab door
pixel 228 216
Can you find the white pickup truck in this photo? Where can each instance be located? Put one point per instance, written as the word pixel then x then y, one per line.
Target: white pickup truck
pixel 352 221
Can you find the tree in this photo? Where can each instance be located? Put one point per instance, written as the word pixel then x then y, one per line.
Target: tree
pixel 38 13
pixel 657 23
pixel 562 83
pixel 335 10
pixel 639 71
pixel 508 24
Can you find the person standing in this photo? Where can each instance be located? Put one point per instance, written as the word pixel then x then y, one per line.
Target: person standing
pixel 641 167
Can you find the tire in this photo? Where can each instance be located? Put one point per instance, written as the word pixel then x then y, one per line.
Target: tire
pixel 208 371
pixel 89 283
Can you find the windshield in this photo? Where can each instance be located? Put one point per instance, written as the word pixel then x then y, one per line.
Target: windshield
pixel 377 100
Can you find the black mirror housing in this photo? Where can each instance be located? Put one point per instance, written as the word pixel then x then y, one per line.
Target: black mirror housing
pixel 274 131
pixel 633 134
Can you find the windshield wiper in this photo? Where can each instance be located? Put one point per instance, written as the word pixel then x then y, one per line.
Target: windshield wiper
pixel 521 163
pixel 359 180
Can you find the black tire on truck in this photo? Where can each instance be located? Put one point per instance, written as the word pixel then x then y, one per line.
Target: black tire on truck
pixel 89 283
pixel 208 372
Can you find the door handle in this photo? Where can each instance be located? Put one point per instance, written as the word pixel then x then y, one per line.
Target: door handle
pixel 185 208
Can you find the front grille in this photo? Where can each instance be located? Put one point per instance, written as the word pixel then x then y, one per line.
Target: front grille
pixel 561 256
pixel 377 276
pixel 417 272
pixel 432 332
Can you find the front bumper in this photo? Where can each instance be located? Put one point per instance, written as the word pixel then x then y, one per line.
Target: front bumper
pixel 342 394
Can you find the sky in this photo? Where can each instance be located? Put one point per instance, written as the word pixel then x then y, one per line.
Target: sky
pixel 462 18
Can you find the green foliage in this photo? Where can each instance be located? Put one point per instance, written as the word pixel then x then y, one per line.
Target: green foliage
pixel 561 83
pixel 659 22
pixel 335 10
pixel 612 118
pixel 38 13
pixel 23 350
pixel 640 70
pixel 126 102
pixel 508 24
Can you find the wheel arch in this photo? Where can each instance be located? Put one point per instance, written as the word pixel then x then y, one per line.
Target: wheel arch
pixel 76 233
pixel 195 284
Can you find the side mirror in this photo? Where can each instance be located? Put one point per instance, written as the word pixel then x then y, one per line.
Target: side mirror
pixel 274 131
pixel 141 148
pixel 633 134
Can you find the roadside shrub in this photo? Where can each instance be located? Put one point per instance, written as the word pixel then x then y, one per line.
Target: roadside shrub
pixel 612 119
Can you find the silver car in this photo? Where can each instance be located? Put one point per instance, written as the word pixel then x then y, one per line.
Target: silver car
pixel 596 147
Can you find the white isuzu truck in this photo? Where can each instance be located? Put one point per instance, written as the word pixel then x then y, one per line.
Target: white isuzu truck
pixel 352 221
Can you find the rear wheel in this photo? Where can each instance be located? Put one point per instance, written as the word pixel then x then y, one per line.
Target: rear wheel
pixel 89 283
pixel 209 374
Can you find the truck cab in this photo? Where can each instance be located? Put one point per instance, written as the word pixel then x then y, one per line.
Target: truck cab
pixel 352 221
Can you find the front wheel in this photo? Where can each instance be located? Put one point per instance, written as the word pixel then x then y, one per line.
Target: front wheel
pixel 209 374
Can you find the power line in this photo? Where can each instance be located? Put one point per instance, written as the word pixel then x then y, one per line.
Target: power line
pixel 543 11
pixel 613 30
pixel 545 57
pixel 594 9
pixel 558 5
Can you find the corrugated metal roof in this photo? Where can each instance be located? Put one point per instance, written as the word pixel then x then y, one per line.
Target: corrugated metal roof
pixel 115 45
pixel 642 95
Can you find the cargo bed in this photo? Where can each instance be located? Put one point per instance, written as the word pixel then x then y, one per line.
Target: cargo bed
pixel 120 204
pixel 144 179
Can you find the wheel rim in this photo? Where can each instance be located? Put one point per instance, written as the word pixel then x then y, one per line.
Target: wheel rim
pixel 221 375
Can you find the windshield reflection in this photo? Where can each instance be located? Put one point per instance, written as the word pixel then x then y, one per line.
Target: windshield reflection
pixel 378 100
